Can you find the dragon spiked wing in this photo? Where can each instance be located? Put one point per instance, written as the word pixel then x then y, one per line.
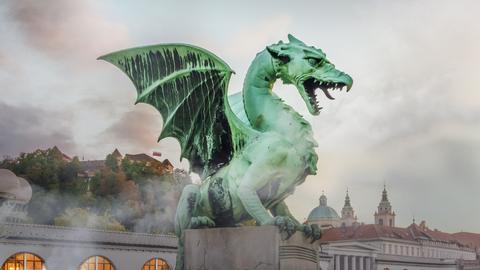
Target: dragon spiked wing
pixel 188 86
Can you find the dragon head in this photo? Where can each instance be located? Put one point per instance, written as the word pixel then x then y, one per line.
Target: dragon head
pixel 308 69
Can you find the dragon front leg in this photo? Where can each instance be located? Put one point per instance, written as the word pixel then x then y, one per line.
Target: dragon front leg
pixel 312 231
pixel 274 164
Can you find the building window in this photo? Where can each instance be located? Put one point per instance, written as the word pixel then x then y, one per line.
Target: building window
pixel 156 264
pixel 24 261
pixel 97 263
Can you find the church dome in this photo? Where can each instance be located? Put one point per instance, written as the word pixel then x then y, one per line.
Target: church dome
pixel 8 183
pixel 323 211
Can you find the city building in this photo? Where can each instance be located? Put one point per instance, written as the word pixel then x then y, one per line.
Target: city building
pixel 324 215
pixel 42 247
pixel 15 193
pixel 383 246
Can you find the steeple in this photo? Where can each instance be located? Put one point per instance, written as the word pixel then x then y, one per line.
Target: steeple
pixel 323 199
pixel 385 215
pixel 347 201
pixel 348 214
pixel 384 194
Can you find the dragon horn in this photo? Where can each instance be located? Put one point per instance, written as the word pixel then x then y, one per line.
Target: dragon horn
pixel 293 39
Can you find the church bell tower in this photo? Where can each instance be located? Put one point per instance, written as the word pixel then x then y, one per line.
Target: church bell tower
pixel 385 216
pixel 348 214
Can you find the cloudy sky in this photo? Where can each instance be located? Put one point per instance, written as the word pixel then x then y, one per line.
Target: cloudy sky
pixel 412 119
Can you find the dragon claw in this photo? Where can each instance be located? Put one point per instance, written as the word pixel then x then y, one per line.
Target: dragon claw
pixel 285 224
pixel 311 231
pixel 199 222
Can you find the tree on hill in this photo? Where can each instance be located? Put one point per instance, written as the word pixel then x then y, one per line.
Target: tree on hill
pixel 139 194
pixel 80 217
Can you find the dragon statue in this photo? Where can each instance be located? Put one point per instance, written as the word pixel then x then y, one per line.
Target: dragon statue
pixel 250 149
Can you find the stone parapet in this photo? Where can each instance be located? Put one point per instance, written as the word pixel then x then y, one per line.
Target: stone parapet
pixel 245 248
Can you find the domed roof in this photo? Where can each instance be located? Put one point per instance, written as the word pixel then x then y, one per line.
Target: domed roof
pixel 323 211
pixel 8 182
pixel 14 188
pixel 24 192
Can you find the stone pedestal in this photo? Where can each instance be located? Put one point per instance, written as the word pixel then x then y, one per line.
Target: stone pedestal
pixel 248 248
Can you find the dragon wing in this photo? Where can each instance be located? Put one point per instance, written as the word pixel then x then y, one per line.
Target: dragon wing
pixel 188 86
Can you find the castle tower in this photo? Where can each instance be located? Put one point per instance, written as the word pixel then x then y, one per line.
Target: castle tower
pixel 117 156
pixel 348 214
pixel 385 215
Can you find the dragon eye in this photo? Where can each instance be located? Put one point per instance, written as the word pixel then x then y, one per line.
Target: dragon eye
pixel 314 62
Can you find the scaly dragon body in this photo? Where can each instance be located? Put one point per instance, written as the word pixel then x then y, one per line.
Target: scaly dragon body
pixel 251 149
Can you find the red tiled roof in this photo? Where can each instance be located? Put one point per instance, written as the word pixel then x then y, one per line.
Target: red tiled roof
pixel 92 165
pixel 366 231
pixel 412 233
pixel 468 239
pixel 167 162
pixel 140 157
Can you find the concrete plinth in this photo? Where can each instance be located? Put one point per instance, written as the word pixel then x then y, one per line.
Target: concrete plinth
pixel 248 248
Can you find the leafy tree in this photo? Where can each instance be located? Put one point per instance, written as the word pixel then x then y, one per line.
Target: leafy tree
pixel 131 195
pixel 112 163
pixel 81 217
pixel 137 171
pixel 68 177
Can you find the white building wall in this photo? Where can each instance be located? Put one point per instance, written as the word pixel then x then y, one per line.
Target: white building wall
pixel 409 266
pixel 68 257
pixel 424 250
pixel 63 248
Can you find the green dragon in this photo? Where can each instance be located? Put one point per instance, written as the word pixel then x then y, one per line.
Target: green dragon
pixel 250 149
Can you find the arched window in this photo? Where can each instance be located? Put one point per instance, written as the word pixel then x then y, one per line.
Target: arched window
pixel 156 264
pixel 24 261
pixel 97 263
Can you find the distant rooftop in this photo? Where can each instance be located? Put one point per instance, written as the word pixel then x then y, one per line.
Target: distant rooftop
pixel 411 233
pixel 84 235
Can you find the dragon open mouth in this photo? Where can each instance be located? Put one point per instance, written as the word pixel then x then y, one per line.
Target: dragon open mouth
pixel 311 84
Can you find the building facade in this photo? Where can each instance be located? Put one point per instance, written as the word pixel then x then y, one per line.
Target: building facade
pixel 383 246
pixel 15 194
pixel 42 247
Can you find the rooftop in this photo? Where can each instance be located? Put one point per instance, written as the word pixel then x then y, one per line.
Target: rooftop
pixel 411 233
pixel 84 235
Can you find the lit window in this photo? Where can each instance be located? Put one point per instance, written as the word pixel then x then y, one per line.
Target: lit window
pixel 156 264
pixel 97 263
pixel 24 261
